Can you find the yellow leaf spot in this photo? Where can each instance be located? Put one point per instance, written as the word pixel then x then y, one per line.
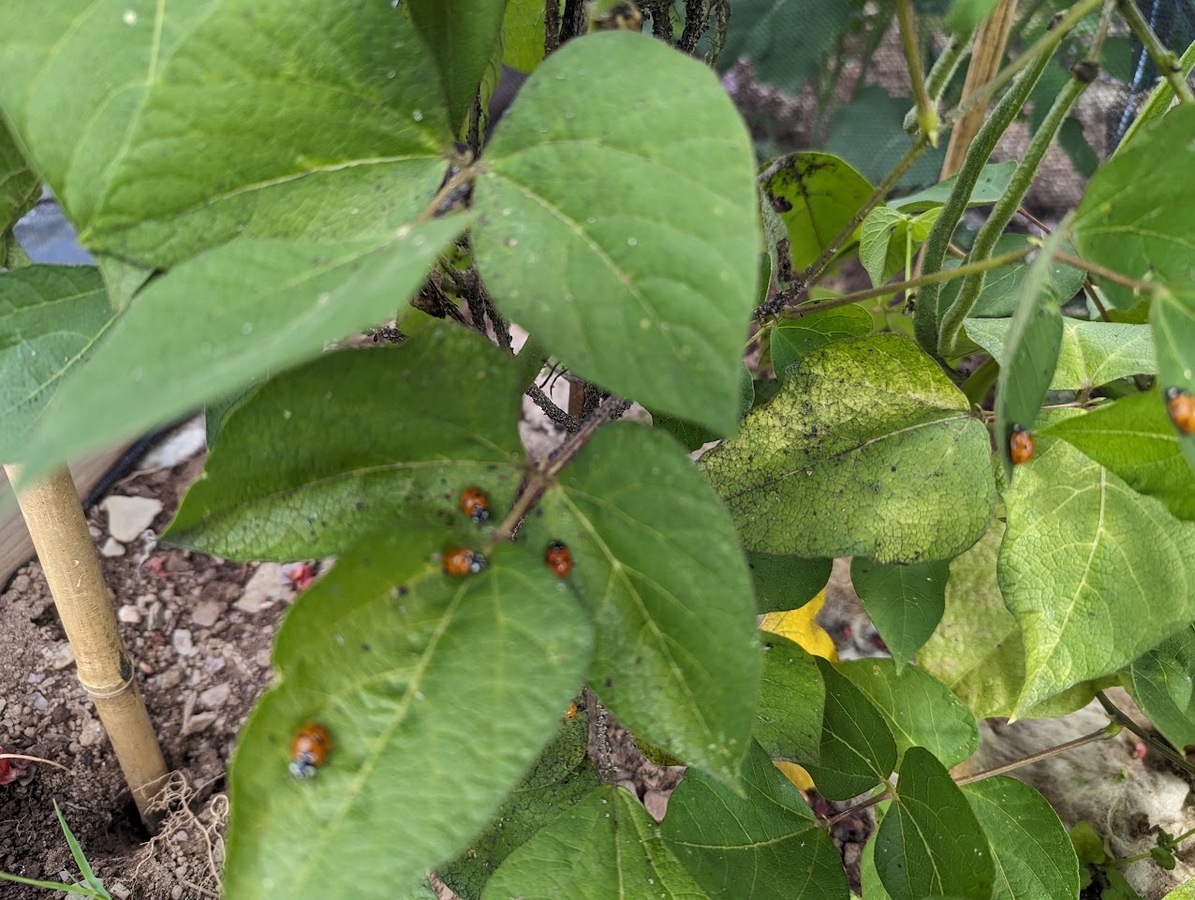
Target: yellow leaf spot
pixel 798 626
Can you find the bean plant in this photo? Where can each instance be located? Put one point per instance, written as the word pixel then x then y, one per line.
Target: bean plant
pixel 263 183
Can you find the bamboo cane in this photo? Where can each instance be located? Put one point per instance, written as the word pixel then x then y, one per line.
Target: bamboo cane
pixel 54 516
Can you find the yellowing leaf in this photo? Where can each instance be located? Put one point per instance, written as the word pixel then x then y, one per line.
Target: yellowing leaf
pixel 798 626
pixel 794 773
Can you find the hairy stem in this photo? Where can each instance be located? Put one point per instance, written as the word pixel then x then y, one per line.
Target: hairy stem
pixel 927 110
pixel 1164 58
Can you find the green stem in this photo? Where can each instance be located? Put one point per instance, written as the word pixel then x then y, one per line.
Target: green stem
pixel 945 66
pixel 925 317
pixel 1154 744
pixel 1005 209
pixel 1163 57
pixel 927 111
pixel 980 381
pixel 1159 100
pixel 1022 22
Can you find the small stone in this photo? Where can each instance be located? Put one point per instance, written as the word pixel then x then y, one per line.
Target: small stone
pixel 183 645
pixel 181 836
pixel 155 616
pixel 61 655
pixel 117 889
pixel 170 679
pixel 263 658
pixel 129 614
pixel 91 733
pixel 112 548
pixel 129 516
pixel 39 701
pixel 267 584
pixel 95 531
pixel 176 892
pixel 206 614
pixel 59 715
pixel 199 722
pixel 216 696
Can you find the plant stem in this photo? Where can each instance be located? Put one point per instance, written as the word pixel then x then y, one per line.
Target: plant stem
pixel 1159 99
pixel 944 67
pixel 1163 57
pixel 952 321
pixel 1140 287
pixel 927 111
pixel 1157 746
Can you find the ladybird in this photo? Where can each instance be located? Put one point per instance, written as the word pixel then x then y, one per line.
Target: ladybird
pixel 1021 445
pixel 463 561
pixel 1181 407
pixel 475 504
pixel 571 712
pixel 559 559
pixel 309 750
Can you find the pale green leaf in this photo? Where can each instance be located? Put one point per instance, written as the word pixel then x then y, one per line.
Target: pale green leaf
pixel 523 34
pixel 1090 353
pixel 1162 682
pixel 837 463
pixel 793 338
pixel 888 240
pixel 788 724
pixel 993 182
pixel 1095 573
pixel 626 210
pixel 19 187
pixel 905 603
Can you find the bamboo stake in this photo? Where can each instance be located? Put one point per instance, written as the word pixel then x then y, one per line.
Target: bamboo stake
pixel 54 516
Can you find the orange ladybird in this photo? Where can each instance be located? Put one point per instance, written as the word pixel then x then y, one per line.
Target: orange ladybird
pixel 1181 407
pixel 1021 445
pixel 559 559
pixel 309 750
pixel 571 712
pixel 463 561
pixel 475 504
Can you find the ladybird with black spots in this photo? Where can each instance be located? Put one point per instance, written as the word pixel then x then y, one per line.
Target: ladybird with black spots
pixel 1021 446
pixel 475 504
pixel 1181 406
pixel 460 561
pixel 559 559
pixel 309 750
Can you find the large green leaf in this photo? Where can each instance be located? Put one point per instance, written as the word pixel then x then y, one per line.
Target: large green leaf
pixel 786 582
pixel 930 843
pixel 523 34
pixel 1134 438
pixel 1138 214
pixel 1090 353
pixel 167 131
pixel 837 463
pixel 394 657
pixel 562 777
pixel 918 708
pixel 765 844
pixel 905 603
pixel 1095 573
pixel 321 455
pixel 1033 855
pixel 659 568
pixel 816 195
pixel 19 187
pixel 1173 321
pixel 50 318
pixel 791 696
pixel 218 322
pixel 1162 682
pixel 775 34
pixel 793 338
pixel 619 200
pixel 605 846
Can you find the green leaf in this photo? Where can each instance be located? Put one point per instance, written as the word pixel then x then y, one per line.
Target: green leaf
pixel 628 210
pixel 392 656
pixel 346 458
pixel 605 846
pixel 1136 217
pixel 786 582
pixel 523 34
pixel 816 195
pixel 1134 438
pixel 765 845
pixel 930 843
pixel 993 182
pixel 977 649
pixel 50 319
pixel 919 709
pixel 307 119
pixel 218 322
pixel 19 187
pixel 690 434
pixel 1095 573
pixel 777 37
pixel 837 463
pixel 1090 353
pixel 1162 682
pixel 562 777
pixel 888 239
pixel 1002 287
pixel 1173 321
pixel 905 603
pixel 869 133
pixel 657 564
pixel 791 696
pixel 1030 353
pixel 965 16
pixel 461 38
pixel 857 751
pixel 1031 851
pixel 793 338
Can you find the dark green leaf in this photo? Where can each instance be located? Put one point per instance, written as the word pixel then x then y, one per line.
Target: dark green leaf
pixel 605 846
pixel 869 134
pixel 345 458
pixel 1002 287
pixel 1162 682
pixel 777 36
pixel 765 845
pixel 930 843
pixel 657 564
pixel 905 603
pixel 620 199
pixel 793 338
pixel 690 434
pixel 837 463
pixel 791 696
pixel 19 187
pixel 1173 321
pixel 786 582
pixel 393 657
